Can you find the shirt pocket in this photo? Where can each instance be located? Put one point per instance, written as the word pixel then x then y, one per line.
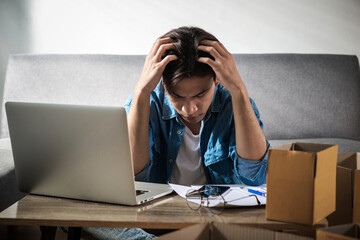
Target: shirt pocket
pixel 220 165
pixel 216 154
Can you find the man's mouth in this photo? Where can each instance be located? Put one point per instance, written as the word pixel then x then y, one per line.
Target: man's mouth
pixel 191 118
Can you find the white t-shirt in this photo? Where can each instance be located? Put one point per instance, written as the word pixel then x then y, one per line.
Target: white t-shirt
pixel 188 168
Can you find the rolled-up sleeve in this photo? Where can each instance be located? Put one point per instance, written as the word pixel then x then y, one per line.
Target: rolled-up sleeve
pixel 251 172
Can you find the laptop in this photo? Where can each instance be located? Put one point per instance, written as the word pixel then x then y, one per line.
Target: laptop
pixel 75 151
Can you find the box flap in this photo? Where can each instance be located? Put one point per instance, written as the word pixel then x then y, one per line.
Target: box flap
pixel 310 147
pixel 344 198
pixel 325 183
pixel 290 186
pixel 220 231
pixel 349 160
pixel 356 213
pixel 288 236
pixel 194 232
pixel 341 232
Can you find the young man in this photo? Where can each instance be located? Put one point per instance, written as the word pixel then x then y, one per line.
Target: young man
pixel 197 125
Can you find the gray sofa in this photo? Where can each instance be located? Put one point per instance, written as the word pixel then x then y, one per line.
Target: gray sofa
pixel 301 97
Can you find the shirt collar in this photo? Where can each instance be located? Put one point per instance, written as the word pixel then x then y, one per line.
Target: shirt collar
pixel 169 111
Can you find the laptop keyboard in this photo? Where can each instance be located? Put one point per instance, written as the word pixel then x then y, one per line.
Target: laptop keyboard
pixel 139 192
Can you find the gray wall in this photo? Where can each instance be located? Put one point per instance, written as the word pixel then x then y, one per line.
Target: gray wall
pixel 130 27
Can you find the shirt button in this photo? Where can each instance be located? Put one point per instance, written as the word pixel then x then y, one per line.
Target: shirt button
pixel 178 132
pixel 171 160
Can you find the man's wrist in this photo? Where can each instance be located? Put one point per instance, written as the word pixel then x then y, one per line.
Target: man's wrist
pixel 141 92
pixel 237 87
pixel 240 95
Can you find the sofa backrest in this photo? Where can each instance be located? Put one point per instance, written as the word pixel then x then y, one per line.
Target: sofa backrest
pixel 298 95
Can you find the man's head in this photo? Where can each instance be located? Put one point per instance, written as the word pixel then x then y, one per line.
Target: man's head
pixel 186 41
pixel 190 84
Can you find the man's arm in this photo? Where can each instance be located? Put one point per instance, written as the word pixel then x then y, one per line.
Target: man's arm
pixel 138 117
pixel 250 139
pixel 138 121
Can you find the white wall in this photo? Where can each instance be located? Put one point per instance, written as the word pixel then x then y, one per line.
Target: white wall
pixel 131 26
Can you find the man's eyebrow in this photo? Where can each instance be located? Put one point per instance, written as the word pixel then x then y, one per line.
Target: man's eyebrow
pixel 202 92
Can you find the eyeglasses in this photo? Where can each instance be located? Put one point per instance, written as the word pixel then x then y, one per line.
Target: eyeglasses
pixel 207 197
pixel 210 197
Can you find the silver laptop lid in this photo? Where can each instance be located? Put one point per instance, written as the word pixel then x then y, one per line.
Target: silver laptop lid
pixel 72 151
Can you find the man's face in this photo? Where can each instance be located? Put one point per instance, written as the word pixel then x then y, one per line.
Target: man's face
pixel 191 98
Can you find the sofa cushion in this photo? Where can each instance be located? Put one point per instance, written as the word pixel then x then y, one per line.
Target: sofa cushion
pixel 298 95
pixel 304 95
pixel 70 79
pixel 8 184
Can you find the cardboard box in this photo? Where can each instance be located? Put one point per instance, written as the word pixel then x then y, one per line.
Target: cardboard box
pixel 340 232
pixel 347 190
pixel 223 231
pixel 301 182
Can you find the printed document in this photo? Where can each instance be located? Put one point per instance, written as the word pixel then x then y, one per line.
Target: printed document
pixel 237 195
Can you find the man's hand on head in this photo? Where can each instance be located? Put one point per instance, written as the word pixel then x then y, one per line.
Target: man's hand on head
pixel 154 65
pixel 224 66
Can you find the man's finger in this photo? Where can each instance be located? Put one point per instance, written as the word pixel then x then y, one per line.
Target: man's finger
pixel 219 47
pixel 162 49
pixel 211 50
pixel 207 61
pixel 168 59
pixel 158 43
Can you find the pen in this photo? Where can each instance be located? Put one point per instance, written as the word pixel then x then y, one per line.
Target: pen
pixel 255 192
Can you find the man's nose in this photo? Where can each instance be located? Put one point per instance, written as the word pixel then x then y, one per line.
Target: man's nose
pixel 189 107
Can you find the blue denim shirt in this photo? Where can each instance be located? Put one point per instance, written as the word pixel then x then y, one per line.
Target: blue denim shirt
pixel 222 164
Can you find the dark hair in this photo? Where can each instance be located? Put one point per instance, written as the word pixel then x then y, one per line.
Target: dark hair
pixel 186 41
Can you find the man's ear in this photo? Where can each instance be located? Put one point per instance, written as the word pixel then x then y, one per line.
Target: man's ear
pixel 162 85
pixel 216 81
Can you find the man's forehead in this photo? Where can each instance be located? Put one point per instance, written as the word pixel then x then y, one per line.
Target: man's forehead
pixel 193 85
pixel 195 81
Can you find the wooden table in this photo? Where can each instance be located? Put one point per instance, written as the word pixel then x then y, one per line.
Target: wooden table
pixel 169 212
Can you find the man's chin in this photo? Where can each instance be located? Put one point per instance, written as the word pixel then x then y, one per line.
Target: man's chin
pixel 193 120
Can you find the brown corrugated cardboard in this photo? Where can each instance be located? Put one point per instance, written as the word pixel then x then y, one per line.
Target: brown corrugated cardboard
pixel 301 182
pixel 347 190
pixel 340 232
pixel 356 216
pixel 344 203
pixel 194 232
pixel 223 231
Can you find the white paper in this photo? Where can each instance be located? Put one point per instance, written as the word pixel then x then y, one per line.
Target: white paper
pixel 237 195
